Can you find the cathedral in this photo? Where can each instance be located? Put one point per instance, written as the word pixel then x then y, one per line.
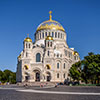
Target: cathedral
pixel 48 58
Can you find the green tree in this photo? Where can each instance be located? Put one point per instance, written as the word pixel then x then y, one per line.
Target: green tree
pixel 7 76
pixel 92 68
pixel 1 75
pixel 88 70
pixel 75 71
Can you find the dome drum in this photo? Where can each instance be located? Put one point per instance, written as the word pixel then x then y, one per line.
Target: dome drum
pixel 57 35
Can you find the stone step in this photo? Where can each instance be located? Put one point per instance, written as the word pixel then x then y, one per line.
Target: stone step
pixel 36 83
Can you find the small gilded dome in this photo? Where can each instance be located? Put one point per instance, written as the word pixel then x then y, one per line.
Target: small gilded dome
pixel 75 53
pixel 27 39
pixel 19 56
pixel 49 38
pixel 50 24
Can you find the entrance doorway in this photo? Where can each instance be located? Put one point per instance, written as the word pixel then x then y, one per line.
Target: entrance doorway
pixel 48 76
pixel 37 77
pixel 26 78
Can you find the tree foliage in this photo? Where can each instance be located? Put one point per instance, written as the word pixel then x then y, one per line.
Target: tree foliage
pixel 75 71
pixel 87 70
pixel 7 76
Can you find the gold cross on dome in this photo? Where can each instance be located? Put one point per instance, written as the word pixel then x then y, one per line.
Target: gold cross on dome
pixel 50 16
pixel 50 12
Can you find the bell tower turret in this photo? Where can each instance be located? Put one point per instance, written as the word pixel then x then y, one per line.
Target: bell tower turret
pixel 27 46
pixel 49 46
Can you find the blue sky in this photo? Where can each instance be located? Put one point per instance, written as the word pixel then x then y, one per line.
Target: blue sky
pixel 80 19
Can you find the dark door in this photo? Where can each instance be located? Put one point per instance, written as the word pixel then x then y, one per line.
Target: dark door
pixel 37 76
pixel 48 78
pixel 26 78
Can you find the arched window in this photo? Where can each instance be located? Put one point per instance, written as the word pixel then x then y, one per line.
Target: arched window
pixel 52 34
pixel 48 44
pixel 57 75
pixel 61 35
pixel 57 65
pixel 43 35
pixel 29 45
pixel 58 35
pixel 51 44
pixel 55 34
pixel 64 65
pixel 26 45
pixel 40 35
pixel 65 52
pixel 74 57
pixel 48 53
pixel 70 54
pixel 64 75
pixel 49 34
pixel 57 55
pixel 26 54
pixel 38 57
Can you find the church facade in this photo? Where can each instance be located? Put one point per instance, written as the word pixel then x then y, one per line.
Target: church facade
pixel 49 58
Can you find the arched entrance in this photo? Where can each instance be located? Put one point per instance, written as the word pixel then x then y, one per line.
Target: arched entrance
pixel 27 77
pixel 48 76
pixel 37 75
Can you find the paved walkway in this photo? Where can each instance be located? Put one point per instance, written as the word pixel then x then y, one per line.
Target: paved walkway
pixel 48 92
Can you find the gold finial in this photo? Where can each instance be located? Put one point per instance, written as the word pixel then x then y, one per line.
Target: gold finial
pixel 50 16
pixel 27 35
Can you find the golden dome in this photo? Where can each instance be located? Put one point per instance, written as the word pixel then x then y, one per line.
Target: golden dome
pixel 75 53
pixel 50 24
pixel 27 39
pixel 49 38
pixel 19 56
